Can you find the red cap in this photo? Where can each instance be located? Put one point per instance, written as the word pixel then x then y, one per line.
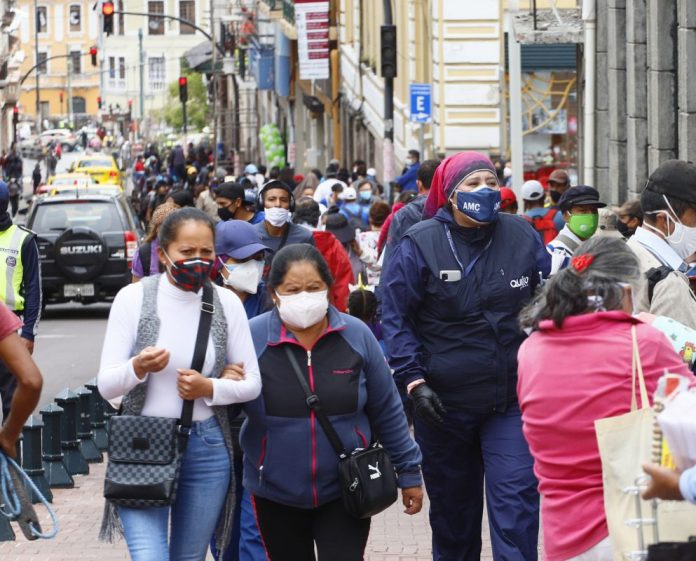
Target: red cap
pixel 507 197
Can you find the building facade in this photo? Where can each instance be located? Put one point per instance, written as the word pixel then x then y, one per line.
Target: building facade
pixel 159 42
pixel 10 59
pixel 65 30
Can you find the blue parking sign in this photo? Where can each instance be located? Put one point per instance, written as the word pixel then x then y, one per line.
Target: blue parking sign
pixel 421 102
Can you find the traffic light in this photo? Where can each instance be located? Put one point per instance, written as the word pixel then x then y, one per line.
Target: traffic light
pixel 183 89
pixel 61 97
pixel 93 54
pixel 130 106
pixel 99 102
pixel 15 115
pixel 388 48
pixel 108 13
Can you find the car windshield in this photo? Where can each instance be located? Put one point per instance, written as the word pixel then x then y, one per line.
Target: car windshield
pixel 101 216
pixel 95 164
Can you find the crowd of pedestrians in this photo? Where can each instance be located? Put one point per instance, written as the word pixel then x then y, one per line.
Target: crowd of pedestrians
pixel 508 328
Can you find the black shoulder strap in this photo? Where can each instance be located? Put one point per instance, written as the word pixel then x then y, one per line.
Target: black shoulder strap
pixel 313 403
pixel 207 310
pixel 655 275
pixel 145 254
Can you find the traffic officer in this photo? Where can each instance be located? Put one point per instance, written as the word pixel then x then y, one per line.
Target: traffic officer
pixel 451 295
pixel 20 285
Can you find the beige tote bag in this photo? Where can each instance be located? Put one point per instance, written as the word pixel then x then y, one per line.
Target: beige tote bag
pixel 625 443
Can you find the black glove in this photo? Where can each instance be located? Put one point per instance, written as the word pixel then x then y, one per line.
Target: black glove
pixel 427 405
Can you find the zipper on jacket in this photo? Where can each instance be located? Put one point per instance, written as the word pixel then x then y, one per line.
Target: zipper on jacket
pixel 262 458
pixel 312 420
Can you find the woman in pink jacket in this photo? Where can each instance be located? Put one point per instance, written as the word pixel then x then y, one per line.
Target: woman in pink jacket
pixel 575 368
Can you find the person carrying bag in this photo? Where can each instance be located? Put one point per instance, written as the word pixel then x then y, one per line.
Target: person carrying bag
pixel 170 483
pixel 625 443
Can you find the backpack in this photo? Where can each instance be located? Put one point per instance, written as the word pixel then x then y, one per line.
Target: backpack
pixel 359 221
pixel 655 275
pixel 545 225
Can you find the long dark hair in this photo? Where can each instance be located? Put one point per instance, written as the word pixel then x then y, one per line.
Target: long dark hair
pixel 295 253
pixel 598 287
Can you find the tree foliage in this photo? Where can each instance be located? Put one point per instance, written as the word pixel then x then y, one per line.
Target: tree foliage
pixel 196 106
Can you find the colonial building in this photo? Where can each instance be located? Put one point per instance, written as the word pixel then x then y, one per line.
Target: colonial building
pixel 66 31
pixel 10 58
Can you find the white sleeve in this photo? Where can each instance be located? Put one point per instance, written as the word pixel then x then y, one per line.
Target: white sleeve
pixel 116 375
pixel 240 349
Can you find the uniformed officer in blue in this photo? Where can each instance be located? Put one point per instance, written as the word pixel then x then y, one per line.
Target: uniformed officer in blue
pixel 20 285
pixel 451 295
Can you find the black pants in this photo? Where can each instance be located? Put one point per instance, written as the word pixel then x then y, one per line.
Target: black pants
pixel 8 385
pixel 290 533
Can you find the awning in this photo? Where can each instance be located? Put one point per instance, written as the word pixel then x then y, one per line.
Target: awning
pixel 200 57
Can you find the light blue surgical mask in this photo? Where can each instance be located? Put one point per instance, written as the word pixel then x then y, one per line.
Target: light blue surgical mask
pixel 366 196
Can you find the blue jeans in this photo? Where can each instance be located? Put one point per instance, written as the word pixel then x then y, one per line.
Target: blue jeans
pixel 456 457
pixel 203 482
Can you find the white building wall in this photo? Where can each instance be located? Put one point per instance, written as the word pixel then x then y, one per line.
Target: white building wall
pixel 467 62
pixel 172 46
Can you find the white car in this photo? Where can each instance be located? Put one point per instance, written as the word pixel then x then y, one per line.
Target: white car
pixel 64 137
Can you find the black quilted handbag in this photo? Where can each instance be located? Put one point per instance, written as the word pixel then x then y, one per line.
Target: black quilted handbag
pixel 145 452
pixel 366 476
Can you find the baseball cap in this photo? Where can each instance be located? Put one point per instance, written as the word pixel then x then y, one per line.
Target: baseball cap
pixel 348 194
pixel 559 176
pixel 4 192
pixel 371 172
pixel 338 225
pixel 532 190
pixel 674 178
pixel 629 208
pixel 251 168
pixel 230 190
pixel 607 225
pixel 507 197
pixel 237 239
pixel 580 195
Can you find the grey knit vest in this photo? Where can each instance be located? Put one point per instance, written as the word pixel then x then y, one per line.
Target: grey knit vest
pixel 133 401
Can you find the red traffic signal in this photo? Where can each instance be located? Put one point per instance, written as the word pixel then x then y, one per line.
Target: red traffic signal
pixel 108 14
pixel 99 102
pixel 130 104
pixel 183 89
pixel 93 54
pixel 15 115
pixel 61 97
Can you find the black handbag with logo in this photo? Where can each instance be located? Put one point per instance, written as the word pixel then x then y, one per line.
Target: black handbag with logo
pixel 366 475
pixel 145 452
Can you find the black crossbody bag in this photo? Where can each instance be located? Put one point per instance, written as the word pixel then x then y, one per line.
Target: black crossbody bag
pixel 366 475
pixel 145 452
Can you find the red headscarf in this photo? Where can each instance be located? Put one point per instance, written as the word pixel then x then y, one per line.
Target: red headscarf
pixel 450 173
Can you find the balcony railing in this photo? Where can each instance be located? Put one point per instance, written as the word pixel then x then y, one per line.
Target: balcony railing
pixel 289 11
pixel 116 84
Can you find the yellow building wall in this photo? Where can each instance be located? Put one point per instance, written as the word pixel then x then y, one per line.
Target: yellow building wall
pixel 58 40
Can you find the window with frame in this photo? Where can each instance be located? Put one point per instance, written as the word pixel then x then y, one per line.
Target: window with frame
pixel 76 62
pixel 187 11
pixel 155 25
pixel 112 67
pixel 75 18
pixel 41 59
pixel 121 68
pixel 42 19
pixel 156 73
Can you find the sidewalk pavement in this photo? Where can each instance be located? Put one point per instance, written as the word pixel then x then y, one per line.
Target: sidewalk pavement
pixel 394 536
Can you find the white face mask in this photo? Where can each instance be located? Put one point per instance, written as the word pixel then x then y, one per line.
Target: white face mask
pixel 683 239
pixel 303 309
pixel 244 277
pixel 277 216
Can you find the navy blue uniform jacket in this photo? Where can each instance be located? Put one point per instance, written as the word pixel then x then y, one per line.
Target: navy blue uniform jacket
pixel 461 336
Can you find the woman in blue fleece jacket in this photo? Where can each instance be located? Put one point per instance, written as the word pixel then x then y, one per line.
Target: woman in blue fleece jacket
pixel 290 468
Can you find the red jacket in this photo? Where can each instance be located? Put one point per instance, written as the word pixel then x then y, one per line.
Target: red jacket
pixel 339 265
pixel 383 233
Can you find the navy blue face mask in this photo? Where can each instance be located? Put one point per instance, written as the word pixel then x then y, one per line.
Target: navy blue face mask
pixel 481 205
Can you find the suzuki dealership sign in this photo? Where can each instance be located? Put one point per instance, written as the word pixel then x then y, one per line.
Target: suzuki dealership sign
pixel 312 25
